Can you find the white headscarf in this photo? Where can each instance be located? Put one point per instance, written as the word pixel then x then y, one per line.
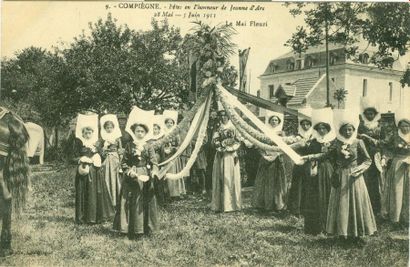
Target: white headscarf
pixel 305 114
pixel 170 114
pixel 400 115
pixel 366 103
pixel 343 117
pixel 90 121
pixel 269 115
pixel 323 115
pixel 158 120
pixel 115 134
pixel 143 117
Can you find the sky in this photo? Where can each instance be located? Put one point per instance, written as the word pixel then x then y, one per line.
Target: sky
pixel 56 23
pixel 47 24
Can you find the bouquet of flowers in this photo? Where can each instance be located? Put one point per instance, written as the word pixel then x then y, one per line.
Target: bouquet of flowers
pixel 137 151
pixel 325 147
pixel 228 143
pixel 346 151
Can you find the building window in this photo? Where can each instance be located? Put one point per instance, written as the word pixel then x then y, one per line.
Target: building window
pixel 290 65
pixel 271 91
pixel 364 58
pixel 364 87
pixel 298 64
pixel 332 59
pixel 390 91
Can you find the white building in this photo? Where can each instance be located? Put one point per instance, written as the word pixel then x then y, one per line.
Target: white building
pixel 298 80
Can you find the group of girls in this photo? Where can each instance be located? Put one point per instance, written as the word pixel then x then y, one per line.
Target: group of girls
pixel 352 170
pixel 120 182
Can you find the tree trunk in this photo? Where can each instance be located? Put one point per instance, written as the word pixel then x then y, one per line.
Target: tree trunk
pixel 327 64
pixel 56 137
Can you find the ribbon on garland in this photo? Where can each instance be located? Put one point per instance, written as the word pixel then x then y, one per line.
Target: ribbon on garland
pixel 254 133
pixel 266 130
pixel 183 126
pixel 191 131
pixel 201 132
pixel 196 122
pixel 233 115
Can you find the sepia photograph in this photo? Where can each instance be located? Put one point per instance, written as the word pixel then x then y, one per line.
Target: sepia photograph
pixel 204 133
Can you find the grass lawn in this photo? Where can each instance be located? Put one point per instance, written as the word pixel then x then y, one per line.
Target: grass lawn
pixel 190 234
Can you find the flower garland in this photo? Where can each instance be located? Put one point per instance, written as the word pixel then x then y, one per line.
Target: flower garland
pixel 183 126
pixel 254 133
pixel 246 135
pixel 236 120
pixel 198 144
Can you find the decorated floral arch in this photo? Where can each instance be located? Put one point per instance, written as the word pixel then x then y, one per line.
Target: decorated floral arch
pixel 195 123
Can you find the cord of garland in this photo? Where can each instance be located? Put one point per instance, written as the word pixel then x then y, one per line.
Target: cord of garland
pixel 234 118
pixel 183 126
pixel 198 145
pixel 252 131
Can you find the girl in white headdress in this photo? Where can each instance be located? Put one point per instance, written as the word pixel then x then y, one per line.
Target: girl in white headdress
pixel 370 132
pixel 226 176
pixel 92 199
pixel 350 213
pixel 395 201
pixel 318 171
pixel 176 187
pixel 137 213
pixel 271 186
pixel 303 139
pixel 111 150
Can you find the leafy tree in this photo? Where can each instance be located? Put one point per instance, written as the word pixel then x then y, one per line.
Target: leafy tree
pixel 116 67
pixel 340 96
pixel 385 25
pixel 207 50
pixel 30 85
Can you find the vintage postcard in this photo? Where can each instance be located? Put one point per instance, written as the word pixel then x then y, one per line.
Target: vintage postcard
pixel 204 133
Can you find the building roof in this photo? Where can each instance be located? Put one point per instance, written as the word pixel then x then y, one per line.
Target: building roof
pixel 363 47
pixel 288 89
pixel 302 88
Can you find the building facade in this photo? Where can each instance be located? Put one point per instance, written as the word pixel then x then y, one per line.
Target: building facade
pixel 299 80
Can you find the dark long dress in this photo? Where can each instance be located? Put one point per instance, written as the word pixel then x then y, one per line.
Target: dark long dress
pixel 395 200
pixel 296 187
pixel 160 186
pixel 372 175
pixel 251 157
pixel 271 183
pixel 198 170
pixel 92 199
pixel 316 189
pixel 137 212
pixel 111 169
pixel 176 187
